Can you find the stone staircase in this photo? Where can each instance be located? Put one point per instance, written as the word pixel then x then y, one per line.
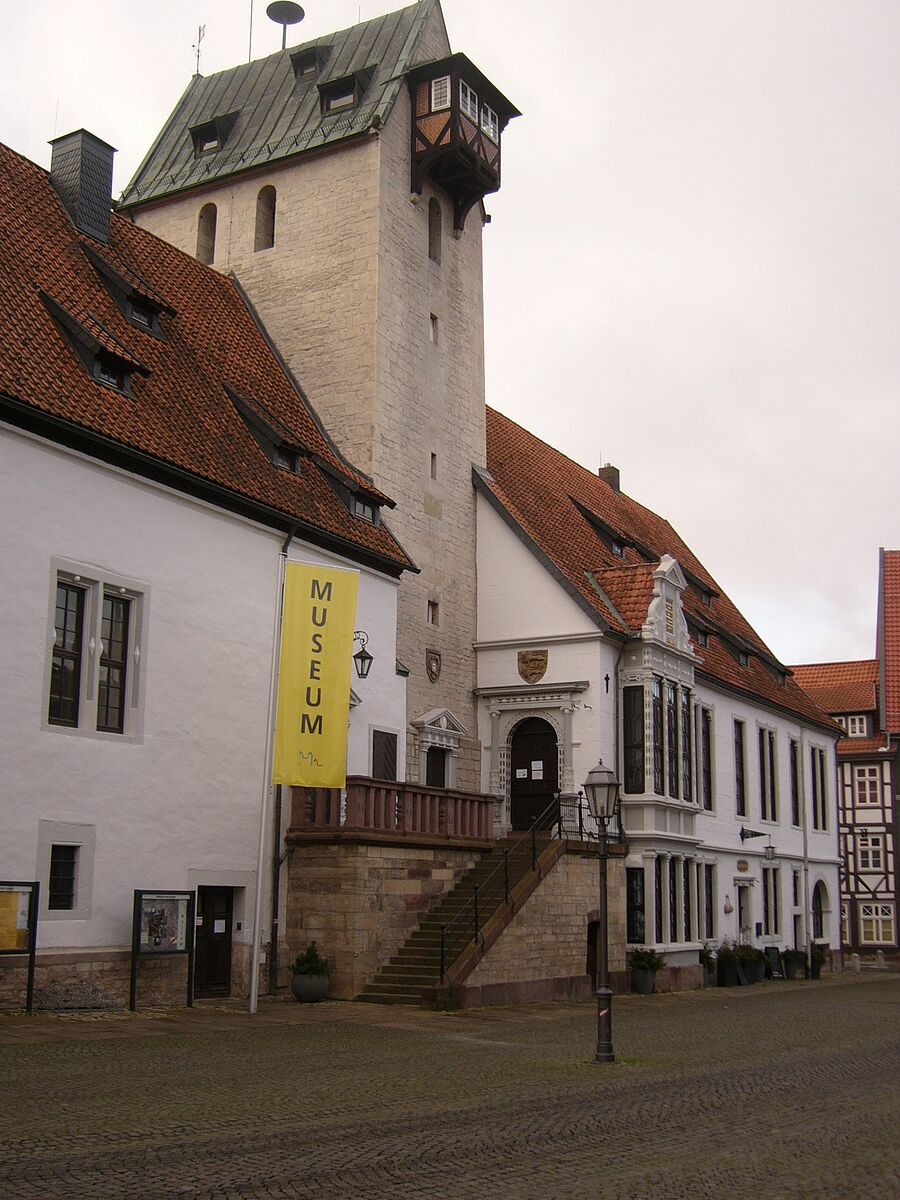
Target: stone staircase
pixel 415 970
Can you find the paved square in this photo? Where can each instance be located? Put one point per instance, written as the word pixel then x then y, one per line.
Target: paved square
pixel 782 1090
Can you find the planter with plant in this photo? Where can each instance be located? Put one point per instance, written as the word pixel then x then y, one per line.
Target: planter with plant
pixel 817 959
pixel 726 965
pixel 309 976
pixel 753 963
pixel 708 963
pixel 794 964
pixel 644 965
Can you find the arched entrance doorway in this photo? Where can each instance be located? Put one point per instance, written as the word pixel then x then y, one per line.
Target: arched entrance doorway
pixel 534 772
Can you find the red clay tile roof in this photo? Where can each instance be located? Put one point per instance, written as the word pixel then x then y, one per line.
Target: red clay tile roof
pixel 179 414
pixel 889 636
pixel 864 747
pixel 548 494
pixel 841 687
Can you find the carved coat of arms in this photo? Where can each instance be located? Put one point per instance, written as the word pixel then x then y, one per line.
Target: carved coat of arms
pixel 433 664
pixel 533 665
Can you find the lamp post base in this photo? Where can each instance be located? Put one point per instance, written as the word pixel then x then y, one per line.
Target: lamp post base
pixel 604 1052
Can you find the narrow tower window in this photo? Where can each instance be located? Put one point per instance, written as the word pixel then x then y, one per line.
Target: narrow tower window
pixel 265 219
pixel 206 234
pixel 434 230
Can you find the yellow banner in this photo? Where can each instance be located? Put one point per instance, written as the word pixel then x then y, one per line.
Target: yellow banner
pixel 314 683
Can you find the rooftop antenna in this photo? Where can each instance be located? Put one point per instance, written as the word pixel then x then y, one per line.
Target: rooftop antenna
pixel 284 13
pixel 201 34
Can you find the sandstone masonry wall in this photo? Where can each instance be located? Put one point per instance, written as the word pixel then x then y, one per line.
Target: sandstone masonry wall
pixel 547 940
pixel 361 902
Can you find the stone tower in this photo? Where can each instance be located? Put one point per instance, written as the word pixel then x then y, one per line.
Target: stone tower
pixel 341 182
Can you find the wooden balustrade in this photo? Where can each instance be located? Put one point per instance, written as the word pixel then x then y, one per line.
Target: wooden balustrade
pixel 403 809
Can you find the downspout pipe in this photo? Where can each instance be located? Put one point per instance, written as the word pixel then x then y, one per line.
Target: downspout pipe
pixel 255 950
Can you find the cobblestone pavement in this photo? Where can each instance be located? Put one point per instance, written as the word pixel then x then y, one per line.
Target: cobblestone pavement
pixel 782 1090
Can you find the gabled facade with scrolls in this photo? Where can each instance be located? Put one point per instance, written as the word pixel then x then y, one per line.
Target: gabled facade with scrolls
pixel 600 635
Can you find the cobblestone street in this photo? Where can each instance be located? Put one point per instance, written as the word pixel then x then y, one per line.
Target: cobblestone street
pixel 785 1089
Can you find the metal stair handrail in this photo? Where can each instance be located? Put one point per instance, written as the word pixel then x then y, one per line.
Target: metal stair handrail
pixel 549 825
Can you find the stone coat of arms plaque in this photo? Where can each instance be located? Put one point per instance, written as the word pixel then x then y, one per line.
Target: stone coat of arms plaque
pixel 533 665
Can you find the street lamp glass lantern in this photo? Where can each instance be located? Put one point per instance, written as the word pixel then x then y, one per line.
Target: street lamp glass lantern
pixel 362 659
pixel 602 790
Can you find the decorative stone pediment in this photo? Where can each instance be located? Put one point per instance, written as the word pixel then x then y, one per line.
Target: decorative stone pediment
pixel 665 621
pixel 439 720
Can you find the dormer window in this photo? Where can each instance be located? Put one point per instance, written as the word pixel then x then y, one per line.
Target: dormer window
pixel 112 372
pixel 287 459
pixel 340 94
pixel 701 637
pixel 364 510
pixel 440 93
pixel 490 123
pixel 210 136
pixel 468 101
pixel 856 726
pixel 743 658
pixel 617 548
pixel 705 597
pixel 307 63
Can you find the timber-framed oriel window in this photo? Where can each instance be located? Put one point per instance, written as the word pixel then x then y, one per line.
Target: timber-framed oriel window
pixel 95 669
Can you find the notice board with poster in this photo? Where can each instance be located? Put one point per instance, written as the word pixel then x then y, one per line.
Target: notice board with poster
pixel 18 924
pixel 162 923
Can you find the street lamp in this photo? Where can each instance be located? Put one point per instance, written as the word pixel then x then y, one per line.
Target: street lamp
pixel 602 790
pixel 362 659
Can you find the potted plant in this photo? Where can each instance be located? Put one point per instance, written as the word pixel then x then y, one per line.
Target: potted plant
pixel 644 965
pixel 309 976
pixel 794 963
pixel 726 965
pixel 752 962
pixel 708 963
pixel 818 957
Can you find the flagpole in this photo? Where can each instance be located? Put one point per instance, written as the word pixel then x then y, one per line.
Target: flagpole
pixel 255 948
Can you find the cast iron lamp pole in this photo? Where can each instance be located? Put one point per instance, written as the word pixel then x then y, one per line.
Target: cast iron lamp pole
pixel 602 790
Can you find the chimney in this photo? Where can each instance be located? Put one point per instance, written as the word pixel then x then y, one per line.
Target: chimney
pixel 81 168
pixel 610 474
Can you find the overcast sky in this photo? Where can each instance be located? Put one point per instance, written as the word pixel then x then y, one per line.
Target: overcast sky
pixel 693 269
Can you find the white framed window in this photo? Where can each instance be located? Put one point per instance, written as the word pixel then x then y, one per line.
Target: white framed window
pixel 870 852
pixel 818 788
pixel 866 786
pixel 845 925
pixel 94 679
pixel 768 775
pixel 842 721
pixel 440 93
pixel 489 123
pixel 856 726
pixel 876 923
pixel 65 855
pixel 468 101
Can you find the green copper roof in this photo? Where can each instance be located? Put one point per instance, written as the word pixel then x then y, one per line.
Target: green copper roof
pixel 272 113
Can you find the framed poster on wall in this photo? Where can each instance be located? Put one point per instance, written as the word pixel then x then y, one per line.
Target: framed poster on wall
pixel 162 923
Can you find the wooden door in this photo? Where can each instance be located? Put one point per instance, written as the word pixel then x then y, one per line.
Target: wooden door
pixel 212 955
pixel 534 767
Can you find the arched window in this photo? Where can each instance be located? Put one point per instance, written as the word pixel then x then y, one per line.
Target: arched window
pixel 206 234
pixel 434 230
pixel 265 219
pixel 819 907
